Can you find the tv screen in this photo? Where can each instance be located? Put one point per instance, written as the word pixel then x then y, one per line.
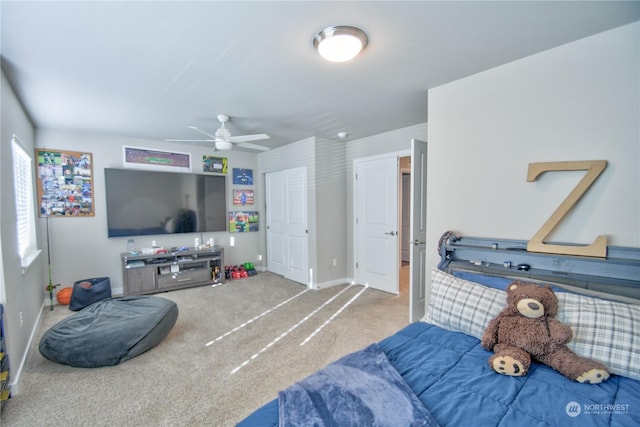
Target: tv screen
pixel 143 202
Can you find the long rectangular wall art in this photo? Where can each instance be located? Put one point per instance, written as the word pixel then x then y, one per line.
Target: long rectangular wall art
pixel 145 158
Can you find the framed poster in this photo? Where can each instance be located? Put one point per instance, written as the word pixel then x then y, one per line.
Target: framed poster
pixel 215 164
pixel 243 197
pixel 243 176
pixel 65 183
pixel 145 158
pixel 243 221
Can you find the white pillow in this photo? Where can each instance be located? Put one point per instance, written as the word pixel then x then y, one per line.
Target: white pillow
pixel 603 330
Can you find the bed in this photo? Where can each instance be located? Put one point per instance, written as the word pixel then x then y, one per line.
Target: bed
pixel 444 375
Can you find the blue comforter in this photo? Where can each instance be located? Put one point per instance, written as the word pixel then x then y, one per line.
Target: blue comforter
pixel 449 373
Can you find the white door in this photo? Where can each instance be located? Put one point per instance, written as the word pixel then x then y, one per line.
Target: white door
pixel 297 225
pixel 276 223
pixel 418 233
pixel 376 235
pixel 287 229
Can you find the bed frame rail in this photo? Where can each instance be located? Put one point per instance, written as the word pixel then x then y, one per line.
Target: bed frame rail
pixel 617 274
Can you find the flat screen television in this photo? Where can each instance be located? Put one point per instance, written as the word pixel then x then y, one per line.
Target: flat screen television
pixel 141 202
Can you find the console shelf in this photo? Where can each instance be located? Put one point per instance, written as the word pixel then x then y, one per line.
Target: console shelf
pixel 151 273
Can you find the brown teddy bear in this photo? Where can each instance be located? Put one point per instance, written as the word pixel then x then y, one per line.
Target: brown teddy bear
pixel 527 328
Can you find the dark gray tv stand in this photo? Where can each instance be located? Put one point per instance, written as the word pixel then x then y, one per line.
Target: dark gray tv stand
pixel 151 273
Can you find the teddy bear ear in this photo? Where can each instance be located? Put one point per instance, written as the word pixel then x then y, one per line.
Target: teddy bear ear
pixel 513 286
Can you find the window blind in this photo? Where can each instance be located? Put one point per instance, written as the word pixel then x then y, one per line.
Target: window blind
pixel 24 199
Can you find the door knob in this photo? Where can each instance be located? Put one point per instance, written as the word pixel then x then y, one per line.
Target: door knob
pixel 390 233
pixel 416 242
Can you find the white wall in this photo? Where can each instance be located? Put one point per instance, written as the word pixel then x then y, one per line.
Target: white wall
pixel 580 101
pixel 80 247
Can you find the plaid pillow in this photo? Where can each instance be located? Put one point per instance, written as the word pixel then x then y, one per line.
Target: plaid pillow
pixel 603 330
pixel 462 306
pixel 606 331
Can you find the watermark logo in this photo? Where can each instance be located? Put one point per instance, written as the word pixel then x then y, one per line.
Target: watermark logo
pixel 573 409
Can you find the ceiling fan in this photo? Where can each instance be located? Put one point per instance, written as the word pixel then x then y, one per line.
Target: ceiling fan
pixel 223 140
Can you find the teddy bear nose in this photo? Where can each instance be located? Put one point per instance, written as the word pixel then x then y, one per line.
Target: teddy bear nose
pixel 530 307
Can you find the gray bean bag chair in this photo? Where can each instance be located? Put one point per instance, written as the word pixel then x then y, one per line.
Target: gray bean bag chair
pixel 110 331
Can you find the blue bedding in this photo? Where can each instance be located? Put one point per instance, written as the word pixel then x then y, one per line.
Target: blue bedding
pixel 449 373
pixel 360 389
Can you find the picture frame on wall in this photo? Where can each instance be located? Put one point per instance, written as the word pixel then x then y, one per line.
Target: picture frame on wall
pixel 65 183
pixel 243 221
pixel 146 158
pixel 243 197
pixel 215 164
pixel 242 176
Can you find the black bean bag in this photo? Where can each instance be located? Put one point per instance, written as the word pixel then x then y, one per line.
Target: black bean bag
pixel 110 331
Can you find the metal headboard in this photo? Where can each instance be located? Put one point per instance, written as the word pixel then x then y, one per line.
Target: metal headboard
pixel 617 274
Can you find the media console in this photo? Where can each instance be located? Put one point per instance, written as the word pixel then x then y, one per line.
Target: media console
pixel 151 273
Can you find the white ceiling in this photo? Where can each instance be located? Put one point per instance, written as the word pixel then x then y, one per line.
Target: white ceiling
pixel 150 68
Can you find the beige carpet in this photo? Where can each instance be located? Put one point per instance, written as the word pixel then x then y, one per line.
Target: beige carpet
pixel 184 382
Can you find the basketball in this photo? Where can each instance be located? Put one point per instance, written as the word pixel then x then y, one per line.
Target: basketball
pixel 64 296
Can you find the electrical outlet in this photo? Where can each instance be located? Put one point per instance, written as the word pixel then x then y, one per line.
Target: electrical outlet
pixel 232 241
pixel 21 320
pixel 335 262
pixel 260 257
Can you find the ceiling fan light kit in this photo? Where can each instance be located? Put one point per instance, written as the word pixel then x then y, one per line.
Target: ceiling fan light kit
pixel 223 145
pixel 340 43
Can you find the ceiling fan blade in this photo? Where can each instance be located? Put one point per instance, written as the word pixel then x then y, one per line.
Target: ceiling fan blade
pixel 245 138
pixel 189 140
pixel 252 146
pixel 204 132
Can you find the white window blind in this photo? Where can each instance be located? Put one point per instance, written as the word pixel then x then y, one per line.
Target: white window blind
pixel 23 193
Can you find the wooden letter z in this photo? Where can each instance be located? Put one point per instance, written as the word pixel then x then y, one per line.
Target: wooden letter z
pixel 594 168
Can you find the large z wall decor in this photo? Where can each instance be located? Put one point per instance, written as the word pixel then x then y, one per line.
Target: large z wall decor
pixel 65 183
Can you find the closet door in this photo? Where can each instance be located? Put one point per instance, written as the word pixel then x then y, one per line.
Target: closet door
pixel 287 224
pixel 276 223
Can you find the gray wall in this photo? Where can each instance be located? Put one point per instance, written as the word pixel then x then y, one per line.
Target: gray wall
pixel 23 293
pixel 80 247
pixel 580 101
pixel 324 160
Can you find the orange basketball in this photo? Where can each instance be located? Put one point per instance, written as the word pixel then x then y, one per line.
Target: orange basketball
pixel 64 296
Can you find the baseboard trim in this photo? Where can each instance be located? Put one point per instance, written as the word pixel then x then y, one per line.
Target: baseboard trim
pixel 15 374
pixel 334 282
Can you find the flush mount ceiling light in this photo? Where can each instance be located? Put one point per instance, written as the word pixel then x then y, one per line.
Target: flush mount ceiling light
pixel 340 43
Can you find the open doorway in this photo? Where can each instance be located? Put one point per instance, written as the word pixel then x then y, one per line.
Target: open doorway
pixel 404 203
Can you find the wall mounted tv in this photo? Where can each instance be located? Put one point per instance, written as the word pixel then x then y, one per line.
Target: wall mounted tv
pixel 141 202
